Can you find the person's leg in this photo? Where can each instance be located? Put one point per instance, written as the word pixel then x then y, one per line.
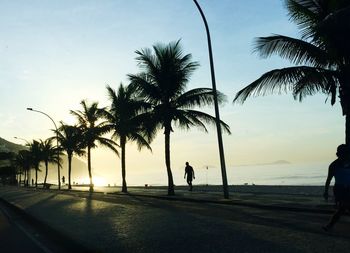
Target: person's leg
pixel 335 217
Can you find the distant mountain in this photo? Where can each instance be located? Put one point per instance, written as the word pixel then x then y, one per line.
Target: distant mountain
pixel 278 162
pixel 6 146
pixel 79 168
pixel 281 162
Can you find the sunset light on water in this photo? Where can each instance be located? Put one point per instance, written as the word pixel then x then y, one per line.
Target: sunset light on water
pixel 97 181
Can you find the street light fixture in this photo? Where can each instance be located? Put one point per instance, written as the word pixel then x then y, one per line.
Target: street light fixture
pixel 58 152
pixel 216 105
pixel 18 138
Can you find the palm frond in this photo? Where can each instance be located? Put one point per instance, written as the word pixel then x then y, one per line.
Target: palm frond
pixel 305 13
pixel 296 50
pixel 199 97
pixel 140 141
pixel 108 143
pixel 207 118
pixel 317 81
pixel 277 80
pixel 144 86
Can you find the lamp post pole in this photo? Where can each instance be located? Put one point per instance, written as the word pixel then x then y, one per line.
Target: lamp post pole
pixel 58 152
pixel 216 105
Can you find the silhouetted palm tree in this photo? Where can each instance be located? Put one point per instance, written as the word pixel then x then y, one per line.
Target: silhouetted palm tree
pixel 49 155
pixel 23 163
pixel 321 55
pixel 93 130
pixel 35 157
pixel 125 120
pixel 162 83
pixel 70 139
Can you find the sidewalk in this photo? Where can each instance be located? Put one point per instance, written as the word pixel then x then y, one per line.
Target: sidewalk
pixel 302 199
pixel 292 202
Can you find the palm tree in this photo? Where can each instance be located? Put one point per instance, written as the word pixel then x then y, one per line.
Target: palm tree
pixel 162 83
pixel 126 122
pixel 93 130
pixel 35 157
pixel 23 163
pixel 49 155
pixel 70 140
pixel 20 163
pixel 321 56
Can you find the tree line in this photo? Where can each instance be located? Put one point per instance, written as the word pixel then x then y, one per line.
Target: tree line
pixel 155 99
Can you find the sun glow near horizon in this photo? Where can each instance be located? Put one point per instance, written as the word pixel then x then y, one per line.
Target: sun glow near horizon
pixel 97 181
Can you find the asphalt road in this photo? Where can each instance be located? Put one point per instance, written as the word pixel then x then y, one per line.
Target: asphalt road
pixel 124 223
pixel 14 238
pixel 20 234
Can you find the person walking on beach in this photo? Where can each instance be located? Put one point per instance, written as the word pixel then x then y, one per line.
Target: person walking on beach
pixel 190 175
pixel 340 170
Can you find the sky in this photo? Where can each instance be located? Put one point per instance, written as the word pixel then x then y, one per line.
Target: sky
pixel 55 53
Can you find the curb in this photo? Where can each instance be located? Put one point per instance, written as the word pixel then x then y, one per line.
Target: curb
pixel 232 203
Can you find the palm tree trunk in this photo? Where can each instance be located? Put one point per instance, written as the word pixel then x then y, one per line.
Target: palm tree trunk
pixel 36 176
pixel 122 145
pixel 171 191
pixel 91 189
pixel 347 128
pixel 344 95
pixel 46 170
pixel 69 171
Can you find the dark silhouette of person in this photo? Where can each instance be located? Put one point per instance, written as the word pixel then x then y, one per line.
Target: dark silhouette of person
pixel 32 181
pixel 190 175
pixel 340 170
pixel 63 180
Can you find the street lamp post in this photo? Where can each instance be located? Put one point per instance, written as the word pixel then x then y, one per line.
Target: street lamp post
pixel 216 105
pixel 58 152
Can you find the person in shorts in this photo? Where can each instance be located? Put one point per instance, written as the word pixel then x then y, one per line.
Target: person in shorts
pixel 190 175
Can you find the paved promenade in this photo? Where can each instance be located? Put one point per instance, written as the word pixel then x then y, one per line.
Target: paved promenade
pixel 146 220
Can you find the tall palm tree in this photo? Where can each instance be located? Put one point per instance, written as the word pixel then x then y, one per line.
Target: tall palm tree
pixel 70 140
pixel 321 55
pixel 162 83
pixel 35 157
pixel 93 130
pixel 125 120
pixel 23 163
pixel 49 155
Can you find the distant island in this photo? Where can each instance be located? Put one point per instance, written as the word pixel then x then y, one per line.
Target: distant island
pixel 278 162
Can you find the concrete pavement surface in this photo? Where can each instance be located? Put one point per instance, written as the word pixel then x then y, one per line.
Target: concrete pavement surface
pixel 138 223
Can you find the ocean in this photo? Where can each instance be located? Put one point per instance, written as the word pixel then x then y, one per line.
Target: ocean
pixel 313 174
pixel 272 174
